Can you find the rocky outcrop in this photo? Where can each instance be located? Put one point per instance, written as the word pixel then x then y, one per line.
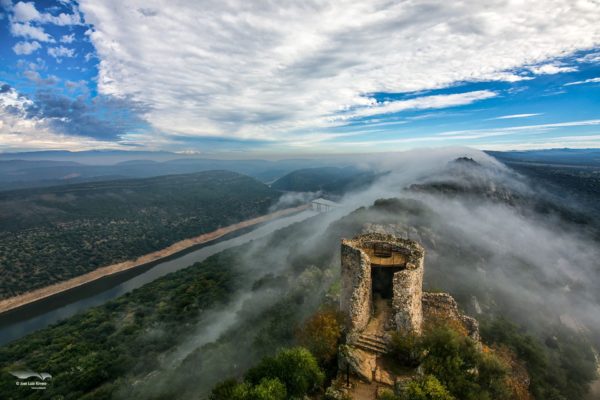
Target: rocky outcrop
pixel 359 363
pixel 442 308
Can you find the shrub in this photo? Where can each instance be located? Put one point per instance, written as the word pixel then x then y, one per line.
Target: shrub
pixel 464 370
pixel 406 348
pixel 427 387
pixel 266 389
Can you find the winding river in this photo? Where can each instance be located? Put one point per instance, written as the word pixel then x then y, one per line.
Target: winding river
pixel 29 318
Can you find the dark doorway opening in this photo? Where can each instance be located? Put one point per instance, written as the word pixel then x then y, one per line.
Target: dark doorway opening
pixel 383 281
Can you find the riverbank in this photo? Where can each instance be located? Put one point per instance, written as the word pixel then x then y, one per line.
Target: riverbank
pixel 33 296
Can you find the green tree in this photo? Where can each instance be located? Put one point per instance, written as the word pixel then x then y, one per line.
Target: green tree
pixel 296 368
pixel 229 389
pixel 321 334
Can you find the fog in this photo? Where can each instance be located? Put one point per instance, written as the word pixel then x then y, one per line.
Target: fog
pixel 488 245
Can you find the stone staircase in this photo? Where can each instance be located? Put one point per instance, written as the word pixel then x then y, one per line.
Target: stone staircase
pixel 372 343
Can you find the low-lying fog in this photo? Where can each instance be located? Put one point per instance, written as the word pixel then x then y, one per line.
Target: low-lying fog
pixel 489 246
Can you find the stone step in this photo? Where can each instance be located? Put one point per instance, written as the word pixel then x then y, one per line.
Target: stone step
pixel 374 345
pixel 373 337
pixel 370 348
pixel 377 340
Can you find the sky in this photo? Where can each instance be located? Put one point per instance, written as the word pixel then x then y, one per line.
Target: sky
pixel 299 76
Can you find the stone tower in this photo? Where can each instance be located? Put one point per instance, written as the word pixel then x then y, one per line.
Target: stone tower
pixel 383 266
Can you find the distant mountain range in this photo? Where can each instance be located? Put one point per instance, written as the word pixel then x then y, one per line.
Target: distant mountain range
pixel 330 174
pixel 565 156
pixel 49 168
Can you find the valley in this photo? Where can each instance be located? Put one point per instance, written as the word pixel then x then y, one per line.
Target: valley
pixel 240 309
pixel 51 235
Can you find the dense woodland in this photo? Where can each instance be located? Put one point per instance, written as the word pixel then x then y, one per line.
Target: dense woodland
pixel 100 353
pixel 52 234
pixel 144 344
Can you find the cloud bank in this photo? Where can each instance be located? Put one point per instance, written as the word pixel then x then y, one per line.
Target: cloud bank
pixel 274 71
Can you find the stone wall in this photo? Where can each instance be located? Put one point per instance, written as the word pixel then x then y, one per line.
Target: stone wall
pixel 355 299
pixel 407 303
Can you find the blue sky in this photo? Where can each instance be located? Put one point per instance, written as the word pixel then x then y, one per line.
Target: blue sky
pixel 297 78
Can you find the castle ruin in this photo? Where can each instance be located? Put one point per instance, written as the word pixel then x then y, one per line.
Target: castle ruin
pixel 379 268
pixel 382 293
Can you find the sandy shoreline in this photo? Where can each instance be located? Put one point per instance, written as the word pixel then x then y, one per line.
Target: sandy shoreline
pixel 29 297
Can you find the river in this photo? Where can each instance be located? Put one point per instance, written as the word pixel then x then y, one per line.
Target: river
pixel 24 320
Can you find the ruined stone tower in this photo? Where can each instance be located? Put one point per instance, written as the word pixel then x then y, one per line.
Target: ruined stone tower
pixel 382 292
pixel 382 266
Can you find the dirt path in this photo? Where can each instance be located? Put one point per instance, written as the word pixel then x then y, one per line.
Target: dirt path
pixel 38 294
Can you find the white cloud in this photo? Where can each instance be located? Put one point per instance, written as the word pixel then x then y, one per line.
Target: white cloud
pixel 30 32
pixel 591 80
pixel 18 132
pixel 590 58
pixel 593 142
pixel 512 116
pixel 442 138
pixel 68 38
pixel 63 19
pixel 24 48
pixel 420 103
pixel 61 51
pixel 480 133
pixel 11 98
pixel 275 70
pixel 25 12
pixel 551 69
pixel 35 76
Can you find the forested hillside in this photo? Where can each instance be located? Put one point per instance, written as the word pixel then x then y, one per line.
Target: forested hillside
pixel 331 180
pixel 52 234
